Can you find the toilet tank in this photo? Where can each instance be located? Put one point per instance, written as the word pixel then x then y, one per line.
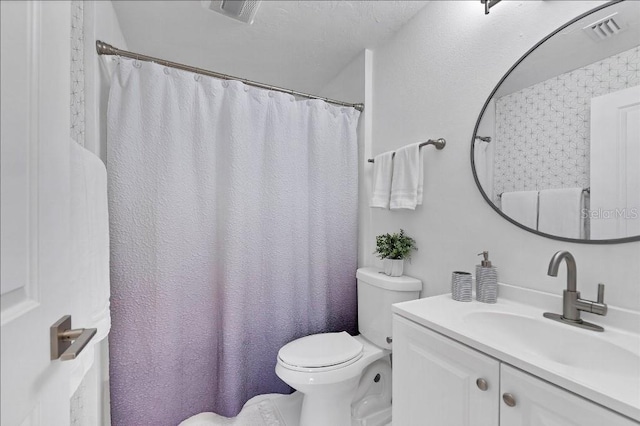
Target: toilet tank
pixel 376 293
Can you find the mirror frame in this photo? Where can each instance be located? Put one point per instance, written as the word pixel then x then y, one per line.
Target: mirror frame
pixel 475 131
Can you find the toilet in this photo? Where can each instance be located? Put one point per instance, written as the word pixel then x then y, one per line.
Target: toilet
pixel 340 380
pixel 346 380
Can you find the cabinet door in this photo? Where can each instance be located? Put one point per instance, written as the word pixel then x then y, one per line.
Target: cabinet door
pixel 538 403
pixel 434 380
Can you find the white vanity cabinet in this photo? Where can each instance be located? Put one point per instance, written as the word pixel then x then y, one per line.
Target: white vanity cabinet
pixel 434 380
pixel 440 382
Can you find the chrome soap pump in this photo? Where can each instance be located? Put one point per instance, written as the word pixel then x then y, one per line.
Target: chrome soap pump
pixel 486 280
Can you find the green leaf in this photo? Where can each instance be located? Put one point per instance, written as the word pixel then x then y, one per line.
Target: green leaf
pixel 395 246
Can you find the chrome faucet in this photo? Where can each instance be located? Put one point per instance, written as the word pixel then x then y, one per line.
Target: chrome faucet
pixel 571 302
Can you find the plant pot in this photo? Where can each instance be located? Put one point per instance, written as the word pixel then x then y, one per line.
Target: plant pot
pixel 393 267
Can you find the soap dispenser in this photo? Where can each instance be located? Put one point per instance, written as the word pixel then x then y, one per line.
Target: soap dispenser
pixel 486 280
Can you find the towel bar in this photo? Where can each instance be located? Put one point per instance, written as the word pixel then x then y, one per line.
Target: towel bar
pixel 587 190
pixel 438 143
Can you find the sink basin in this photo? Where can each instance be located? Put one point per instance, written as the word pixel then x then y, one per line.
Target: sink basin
pixel 562 344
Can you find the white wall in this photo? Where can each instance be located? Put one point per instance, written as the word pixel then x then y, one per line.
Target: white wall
pixel 431 80
pixel 354 84
pixel 100 23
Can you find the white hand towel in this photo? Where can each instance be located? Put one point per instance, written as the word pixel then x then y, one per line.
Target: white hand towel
pixel 408 177
pixel 521 206
pixel 561 212
pixel 483 156
pixel 382 170
pixel 89 240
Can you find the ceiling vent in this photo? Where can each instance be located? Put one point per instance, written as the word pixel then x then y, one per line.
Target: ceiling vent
pixel 240 10
pixel 604 28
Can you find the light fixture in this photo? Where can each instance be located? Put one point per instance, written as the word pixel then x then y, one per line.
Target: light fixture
pixel 488 4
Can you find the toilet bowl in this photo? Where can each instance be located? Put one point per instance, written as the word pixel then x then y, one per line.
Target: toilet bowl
pixel 328 383
pixel 328 368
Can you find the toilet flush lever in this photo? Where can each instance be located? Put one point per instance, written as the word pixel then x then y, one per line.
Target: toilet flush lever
pixel 389 340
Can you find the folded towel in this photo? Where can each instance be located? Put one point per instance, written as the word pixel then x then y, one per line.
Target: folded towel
pixel 561 212
pixel 521 206
pixel 382 170
pixel 89 241
pixel 407 182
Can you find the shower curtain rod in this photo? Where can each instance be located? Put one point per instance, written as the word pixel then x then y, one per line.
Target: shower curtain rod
pixel 106 49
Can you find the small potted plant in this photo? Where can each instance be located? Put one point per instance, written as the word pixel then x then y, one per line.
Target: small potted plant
pixel 393 249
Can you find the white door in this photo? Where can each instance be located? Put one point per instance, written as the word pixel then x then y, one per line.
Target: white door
pixel 35 290
pixel 538 403
pixel 615 164
pixel 438 382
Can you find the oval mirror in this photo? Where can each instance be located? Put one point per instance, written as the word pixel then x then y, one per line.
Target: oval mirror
pixel 556 149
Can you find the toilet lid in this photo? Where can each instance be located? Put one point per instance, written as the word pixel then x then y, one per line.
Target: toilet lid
pixel 321 350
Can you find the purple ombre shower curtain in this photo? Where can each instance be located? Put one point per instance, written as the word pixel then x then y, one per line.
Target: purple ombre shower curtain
pixel 233 214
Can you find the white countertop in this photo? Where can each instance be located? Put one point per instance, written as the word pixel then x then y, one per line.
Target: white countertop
pixel 539 347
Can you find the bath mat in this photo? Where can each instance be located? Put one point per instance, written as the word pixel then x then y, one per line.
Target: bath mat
pixel 263 413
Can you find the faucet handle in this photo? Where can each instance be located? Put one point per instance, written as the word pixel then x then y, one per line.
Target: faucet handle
pixel 600 293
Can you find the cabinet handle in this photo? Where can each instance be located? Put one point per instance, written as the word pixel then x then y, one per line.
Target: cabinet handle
pixel 482 384
pixel 509 399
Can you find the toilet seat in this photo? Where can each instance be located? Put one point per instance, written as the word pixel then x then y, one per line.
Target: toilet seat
pixel 320 352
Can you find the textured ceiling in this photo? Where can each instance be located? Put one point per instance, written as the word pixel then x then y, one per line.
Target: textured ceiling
pixel 300 45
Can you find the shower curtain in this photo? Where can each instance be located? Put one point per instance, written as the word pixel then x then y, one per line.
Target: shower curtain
pixel 233 214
